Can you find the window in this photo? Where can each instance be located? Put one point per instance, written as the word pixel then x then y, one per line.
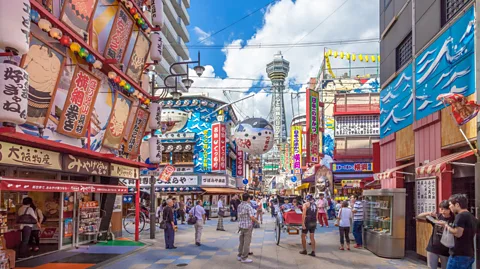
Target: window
pixel 182 157
pixel 166 158
pixel 450 8
pixel 404 51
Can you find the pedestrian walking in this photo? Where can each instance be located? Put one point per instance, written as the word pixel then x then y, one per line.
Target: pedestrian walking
pixel 236 203
pixel 246 215
pixel 464 229
pixel 175 210
pixel 331 208
pixel 344 219
pixel 220 215
pixel 435 249
pixel 181 210
pixel 322 205
pixel 169 231
pixel 199 213
pixel 260 211
pixel 207 206
pixel 309 224
pixel 337 207
pixel 233 211
pixel 357 220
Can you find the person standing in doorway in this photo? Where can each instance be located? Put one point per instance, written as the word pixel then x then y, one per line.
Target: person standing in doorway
pixel 309 224
pixel 357 220
pixel 464 229
pixel 207 207
pixel 26 215
pixel 199 212
pixel 322 205
pixel 344 216
pixel 35 236
pixel 246 215
pixel 220 217
pixel 169 231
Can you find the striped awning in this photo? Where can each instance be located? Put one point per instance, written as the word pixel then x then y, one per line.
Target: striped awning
pixel 440 164
pixel 390 172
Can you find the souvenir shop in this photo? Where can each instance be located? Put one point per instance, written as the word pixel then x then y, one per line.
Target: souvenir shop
pixel 349 178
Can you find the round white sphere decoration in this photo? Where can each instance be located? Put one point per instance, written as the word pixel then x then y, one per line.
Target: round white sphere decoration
pixel 254 136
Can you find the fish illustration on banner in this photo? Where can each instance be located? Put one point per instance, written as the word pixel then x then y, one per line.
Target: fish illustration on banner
pixel 462 109
pixel 139 56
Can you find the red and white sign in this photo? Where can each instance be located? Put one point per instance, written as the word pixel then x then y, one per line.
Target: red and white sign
pixel 223 147
pixel 216 147
pixel 239 163
pixel 166 173
pixel 14 184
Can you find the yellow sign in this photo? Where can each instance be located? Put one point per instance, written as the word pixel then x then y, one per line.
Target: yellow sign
pixel 122 171
pixel 355 183
pixel 26 156
pixel 296 141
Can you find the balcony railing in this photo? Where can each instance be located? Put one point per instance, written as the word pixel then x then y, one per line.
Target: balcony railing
pixel 186 3
pixel 170 10
pixel 356 104
pixel 354 153
pixel 182 50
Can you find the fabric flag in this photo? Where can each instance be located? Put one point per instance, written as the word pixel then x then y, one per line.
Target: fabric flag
pixel 462 109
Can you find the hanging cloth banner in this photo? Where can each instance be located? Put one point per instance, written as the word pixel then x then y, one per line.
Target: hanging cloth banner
pixel 329 67
pixel 462 109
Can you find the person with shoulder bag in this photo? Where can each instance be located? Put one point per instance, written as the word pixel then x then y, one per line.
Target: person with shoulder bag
pixel 35 236
pixel 343 221
pixel 221 212
pixel 27 219
pixel 168 220
pixel 198 218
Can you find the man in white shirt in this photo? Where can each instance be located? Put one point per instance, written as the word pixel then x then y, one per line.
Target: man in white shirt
pixel 199 213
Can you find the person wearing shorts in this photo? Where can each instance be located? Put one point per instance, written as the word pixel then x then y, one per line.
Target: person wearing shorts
pixel 309 220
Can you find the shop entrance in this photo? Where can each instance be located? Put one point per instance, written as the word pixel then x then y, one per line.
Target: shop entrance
pixel 410 220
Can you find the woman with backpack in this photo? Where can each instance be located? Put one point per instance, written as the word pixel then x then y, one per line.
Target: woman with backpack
pixel 27 220
pixel 35 236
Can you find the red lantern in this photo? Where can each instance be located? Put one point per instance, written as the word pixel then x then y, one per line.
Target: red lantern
pixel 133 11
pixel 66 41
pixel 117 79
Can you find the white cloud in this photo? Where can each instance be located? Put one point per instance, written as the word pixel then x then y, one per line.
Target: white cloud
pixel 203 36
pixel 289 22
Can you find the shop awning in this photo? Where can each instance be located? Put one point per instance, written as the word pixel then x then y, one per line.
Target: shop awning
pixel 222 190
pixel 352 176
pixel 389 172
pixel 16 184
pixel 303 186
pixel 440 164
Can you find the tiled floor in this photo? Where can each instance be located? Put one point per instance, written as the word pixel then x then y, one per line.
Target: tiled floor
pixel 219 250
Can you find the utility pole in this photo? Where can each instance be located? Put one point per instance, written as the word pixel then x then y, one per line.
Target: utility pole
pixel 152 182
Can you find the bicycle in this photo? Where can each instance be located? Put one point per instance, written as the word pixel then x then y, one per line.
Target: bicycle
pixel 129 222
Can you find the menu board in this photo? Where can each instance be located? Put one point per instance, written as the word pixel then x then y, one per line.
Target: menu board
pixel 426 195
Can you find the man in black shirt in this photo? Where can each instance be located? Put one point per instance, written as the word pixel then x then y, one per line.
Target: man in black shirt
pixel 169 221
pixel 462 255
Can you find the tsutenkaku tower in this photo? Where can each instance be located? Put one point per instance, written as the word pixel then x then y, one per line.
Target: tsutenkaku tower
pixel 277 71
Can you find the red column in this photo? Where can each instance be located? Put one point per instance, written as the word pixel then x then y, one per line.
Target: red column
pixel 137 210
pixel 444 185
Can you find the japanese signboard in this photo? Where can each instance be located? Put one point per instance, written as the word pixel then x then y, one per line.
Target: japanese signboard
pixel 312 111
pixel 134 139
pixel 79 103
pixel 85 166
pixel 122 171
pixel 357 125
pixel 223 147
pixel 158 171
pixel 216 147
pixel 297 148
pixel 166 173
pixel 353 183
pixel 175 181
pixel 119 35
pixel 232 182
pixel 26 156
pixel 214 181
pixel 240 163
pixel 118 121
pixel 13 93
pixel 426 195
pixel 205 149
pixel 352 167
pixel 14 184
pixel 138 57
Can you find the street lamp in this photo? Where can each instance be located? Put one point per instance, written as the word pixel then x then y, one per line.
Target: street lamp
pixel 199 69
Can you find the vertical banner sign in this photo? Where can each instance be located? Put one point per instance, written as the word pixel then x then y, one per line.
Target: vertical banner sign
pixel 216 147
pixel 119 35
pixel 13 94
pixel 136 133
pixel 223 147
pixel 240 163
pixel 297 148
pixel 166 173
pixel 118 121
pixel 312 127
pixel 139 56
pixel 288 158
pixel 205 150
pixel 79 103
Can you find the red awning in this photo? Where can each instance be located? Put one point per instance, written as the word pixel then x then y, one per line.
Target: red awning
pixel 440 164
pixel 16 184
pixel 389 172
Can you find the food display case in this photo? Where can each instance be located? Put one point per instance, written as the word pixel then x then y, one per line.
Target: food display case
pixel 384 223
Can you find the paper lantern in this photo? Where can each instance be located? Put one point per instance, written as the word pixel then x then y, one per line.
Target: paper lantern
pixel 348 56
pixel 117 80
pixel 147 30
pixel 55 33
pixel 354 57
pixel 135 93
pixel 90 59
pixel 122 83
pixel 66 41
pixel 254 136
pixel 15 26
pixel 335 54
pixel 155 149
pixel 157 13
pixel 157 47
pixel 97 64
pixel 374 58
pixel 146 82
pixel 75 47
pixel 133 11
pixel 112 75
pixel 155 116
pixel 34 16
pixel 329 53
pixel 13 93
pixel 342 55
pixel 128 4
pixel 45 25
pixel 360 57
pixel 83 53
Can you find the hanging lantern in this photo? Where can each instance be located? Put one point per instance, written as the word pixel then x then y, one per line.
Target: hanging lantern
pixel 45 25
pixel 147 102
pixel 360 57
pixel 13 94
pixel 75 47
pixel 133 11
pixel 155 149
pixel 157 13
pixel 348 56
pixel 90 59
pixel 55 33
pixel 83 53
pixel 97 64
pixel 254 136
pixel 135 93
pixel 15 30
pixel 157 47
pixel 366 58
pixel 329 53
pixel 148 30
pixel 378 58
pixel 335 54
pixel 117 80
pixel 145 83
pixel 155 116
pixel 354 57
pixel 112 75
pixel 128 4
pixel 65 41
pixel 374 59
pixel 342 55
pixel 34 16
pixel 122 83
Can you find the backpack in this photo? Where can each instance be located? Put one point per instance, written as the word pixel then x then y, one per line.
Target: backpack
pixel 44 217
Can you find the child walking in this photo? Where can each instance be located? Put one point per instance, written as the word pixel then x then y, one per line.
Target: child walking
pixel 344 216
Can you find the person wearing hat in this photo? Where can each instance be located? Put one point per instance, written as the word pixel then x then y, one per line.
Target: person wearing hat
pixel 309 224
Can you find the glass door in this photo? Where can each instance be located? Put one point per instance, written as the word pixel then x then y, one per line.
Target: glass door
pixel 67 220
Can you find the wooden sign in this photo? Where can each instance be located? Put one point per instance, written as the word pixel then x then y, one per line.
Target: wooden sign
pixel 79 103
pixel 118 121
pixel 122 171
pixel 132 145
pixel 119 36
pixel 139 56
pixel 82 165
pixel 27 156
pixel 77 15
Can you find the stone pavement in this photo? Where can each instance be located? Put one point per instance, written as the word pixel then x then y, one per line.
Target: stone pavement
pixel 219 250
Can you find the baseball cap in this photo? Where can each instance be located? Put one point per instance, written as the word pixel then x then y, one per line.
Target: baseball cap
pixel 309 197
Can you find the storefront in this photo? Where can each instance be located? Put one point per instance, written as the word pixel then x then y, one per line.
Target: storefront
pixel 216 187
pixel 349 178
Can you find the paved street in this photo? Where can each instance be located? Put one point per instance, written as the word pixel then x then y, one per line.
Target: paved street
pixel 219 250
